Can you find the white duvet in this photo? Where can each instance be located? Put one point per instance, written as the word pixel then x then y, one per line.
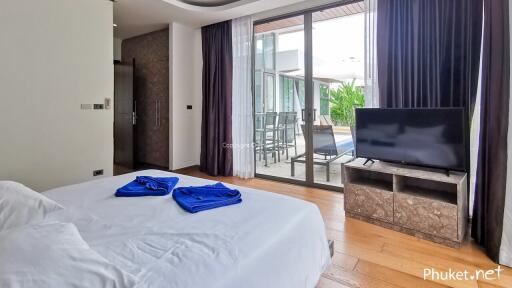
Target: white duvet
pixel 53 254
pixel 268 240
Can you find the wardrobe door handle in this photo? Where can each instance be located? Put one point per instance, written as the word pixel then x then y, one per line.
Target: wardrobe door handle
pixel 134 113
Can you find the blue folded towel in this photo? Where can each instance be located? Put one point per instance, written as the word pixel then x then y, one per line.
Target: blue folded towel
pixel 200 198
pixel 148 186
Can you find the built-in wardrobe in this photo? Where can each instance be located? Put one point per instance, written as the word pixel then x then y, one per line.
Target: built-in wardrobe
pixel 149 54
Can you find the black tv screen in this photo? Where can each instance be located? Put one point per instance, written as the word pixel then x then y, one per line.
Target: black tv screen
pixel 431 137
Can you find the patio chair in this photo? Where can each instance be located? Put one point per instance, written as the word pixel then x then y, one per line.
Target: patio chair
pixel 325 145
pixel 267 137
pixel 281 131
pixel 288 136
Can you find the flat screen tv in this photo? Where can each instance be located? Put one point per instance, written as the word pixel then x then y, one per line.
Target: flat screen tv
pixel 430 137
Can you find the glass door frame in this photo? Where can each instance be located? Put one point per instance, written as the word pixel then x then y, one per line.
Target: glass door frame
pixel 309 91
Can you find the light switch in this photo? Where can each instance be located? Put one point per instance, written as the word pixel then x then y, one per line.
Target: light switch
pixel 108 103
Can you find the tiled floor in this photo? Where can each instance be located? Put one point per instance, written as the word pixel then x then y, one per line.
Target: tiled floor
pixel 283 167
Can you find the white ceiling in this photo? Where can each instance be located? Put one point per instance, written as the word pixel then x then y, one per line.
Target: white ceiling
pixel 136 17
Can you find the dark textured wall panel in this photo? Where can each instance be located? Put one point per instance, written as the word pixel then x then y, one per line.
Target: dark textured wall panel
pixel 151 77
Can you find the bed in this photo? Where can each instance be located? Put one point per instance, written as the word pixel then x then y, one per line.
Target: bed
pixel 269 240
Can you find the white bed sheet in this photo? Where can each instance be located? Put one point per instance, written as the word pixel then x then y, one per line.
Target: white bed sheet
pixel 269 240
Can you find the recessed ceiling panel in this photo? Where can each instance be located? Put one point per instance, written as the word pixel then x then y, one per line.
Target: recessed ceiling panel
pixel 209 3
pixel 137 17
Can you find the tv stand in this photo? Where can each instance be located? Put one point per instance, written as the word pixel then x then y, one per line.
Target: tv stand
pixel 422 202
pixel 368 160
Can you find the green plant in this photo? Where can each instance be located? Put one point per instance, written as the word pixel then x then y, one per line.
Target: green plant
pixel 343 102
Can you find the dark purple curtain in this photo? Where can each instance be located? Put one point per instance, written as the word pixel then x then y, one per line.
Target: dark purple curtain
pixel 487 224
pixel 216 158
pixel 428 52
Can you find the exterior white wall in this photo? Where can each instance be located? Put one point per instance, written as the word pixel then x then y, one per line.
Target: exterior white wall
pixel 54 58
pixel 289 60
pixel 186 89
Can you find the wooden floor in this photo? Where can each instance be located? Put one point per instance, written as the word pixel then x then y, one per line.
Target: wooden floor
pixel 370 256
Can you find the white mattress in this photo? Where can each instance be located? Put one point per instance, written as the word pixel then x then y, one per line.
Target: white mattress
pixel 269 240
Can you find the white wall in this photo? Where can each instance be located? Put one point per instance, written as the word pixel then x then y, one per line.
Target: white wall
pixel 55 55
pixel 186 89
pixel 290 60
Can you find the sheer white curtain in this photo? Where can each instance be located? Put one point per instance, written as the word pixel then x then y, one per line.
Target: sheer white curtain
pixel 242 115
pixel 370 47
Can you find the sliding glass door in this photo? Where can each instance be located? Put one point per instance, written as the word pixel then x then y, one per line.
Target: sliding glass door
pixel 280 98
pixel 308 77
pixel 338 80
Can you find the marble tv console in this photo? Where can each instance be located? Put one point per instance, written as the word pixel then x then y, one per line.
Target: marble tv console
pixel 426 203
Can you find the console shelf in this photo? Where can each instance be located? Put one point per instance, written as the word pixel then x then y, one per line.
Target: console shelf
pixel 430 194
pixel 373 179
pixel 422 202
